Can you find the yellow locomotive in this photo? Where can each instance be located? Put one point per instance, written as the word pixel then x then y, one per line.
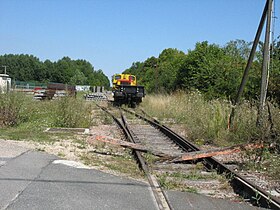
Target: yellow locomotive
pixel 123 79
pixel 126 91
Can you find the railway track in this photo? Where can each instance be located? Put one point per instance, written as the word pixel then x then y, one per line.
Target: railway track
pixel 158 193
pixel 152 134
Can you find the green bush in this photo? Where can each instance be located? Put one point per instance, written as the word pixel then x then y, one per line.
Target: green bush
pixel 10 107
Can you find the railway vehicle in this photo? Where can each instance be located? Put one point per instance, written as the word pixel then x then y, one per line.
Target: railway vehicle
pixel 126 91
pixel 56 90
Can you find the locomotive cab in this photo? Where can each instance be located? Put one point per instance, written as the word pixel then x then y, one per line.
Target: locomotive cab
pixel 126 90
pixel 124 79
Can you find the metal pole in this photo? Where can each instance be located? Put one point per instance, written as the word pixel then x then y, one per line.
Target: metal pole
pixel 265 64
pixel 156 78
pixel 5 67
pixel 249 63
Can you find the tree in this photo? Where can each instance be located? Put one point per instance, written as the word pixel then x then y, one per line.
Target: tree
pixel 200 69
pixel 215 71
pixel 158 73
pixel 169 62
pixel 29 68
pixel 98 78
pixel 78 79
pixel 274 79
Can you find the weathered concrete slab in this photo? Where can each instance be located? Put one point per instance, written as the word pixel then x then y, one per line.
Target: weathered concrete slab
pixel 17 173
pixel 10 149
pixel 65 187
pixel 36 180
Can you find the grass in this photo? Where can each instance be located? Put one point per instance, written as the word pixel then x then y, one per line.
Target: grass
pixel 166 183
pixel 177 180
pixel 194 175
pixel 101 117
pixel 263 161
pixel 10 108
pixel 125 166
pixel 122 164
pixel 31 118
pixel 81 143
pixel 72 113
pixel 207 121
pixel 169 183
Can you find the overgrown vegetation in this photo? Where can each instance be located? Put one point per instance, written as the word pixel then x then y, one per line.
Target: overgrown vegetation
pixel 10 109
pixel 197 89
pixel 185 181
pixel 23 118
pixel 263 161
pixel 72 113
pixel 206 122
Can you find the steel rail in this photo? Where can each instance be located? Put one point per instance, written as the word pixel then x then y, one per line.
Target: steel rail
pixel 159 195
pixel 241 185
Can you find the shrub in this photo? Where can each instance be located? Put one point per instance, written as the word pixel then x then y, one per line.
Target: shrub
pixel 71 112
pixel 10 107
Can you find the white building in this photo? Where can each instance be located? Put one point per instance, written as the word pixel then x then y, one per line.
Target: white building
pixel 5 83
pixel 82 87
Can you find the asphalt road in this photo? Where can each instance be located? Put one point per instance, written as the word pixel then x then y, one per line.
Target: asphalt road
pixel 36 180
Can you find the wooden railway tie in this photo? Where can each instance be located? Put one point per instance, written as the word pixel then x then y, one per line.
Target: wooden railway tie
pixel 185 156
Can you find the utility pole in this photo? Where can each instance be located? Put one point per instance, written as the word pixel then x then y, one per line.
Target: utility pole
pixel 5 71
pixel 265 65
pixel 249 63
pixel 156 78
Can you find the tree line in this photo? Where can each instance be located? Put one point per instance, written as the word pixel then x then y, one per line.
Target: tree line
pixel 75 72
pixel 216 71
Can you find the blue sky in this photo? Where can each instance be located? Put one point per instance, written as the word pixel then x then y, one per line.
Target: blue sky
pixel 111 34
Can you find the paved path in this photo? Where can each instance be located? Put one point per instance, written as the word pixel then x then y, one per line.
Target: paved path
pixel 36 180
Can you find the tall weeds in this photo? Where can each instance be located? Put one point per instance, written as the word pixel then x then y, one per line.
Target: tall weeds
pixel 71 112
pixel 10 107
pixel 18 109
pixel 206 121
pixel 22 118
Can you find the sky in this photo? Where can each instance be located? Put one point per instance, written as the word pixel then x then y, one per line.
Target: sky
pixel 112 34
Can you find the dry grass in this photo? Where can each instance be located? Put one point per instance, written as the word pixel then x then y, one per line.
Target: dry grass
pixel 207 121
